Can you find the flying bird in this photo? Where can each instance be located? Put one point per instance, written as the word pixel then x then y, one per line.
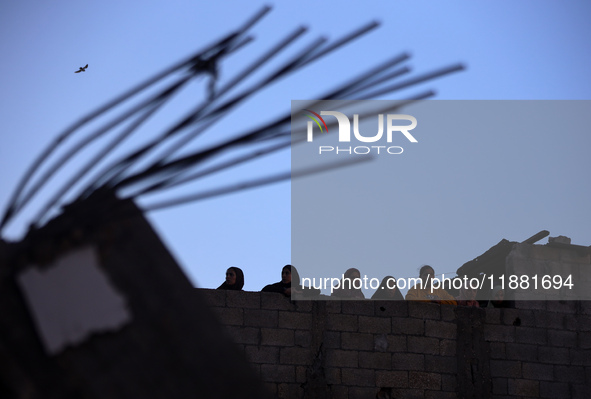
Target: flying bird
pixel 82 69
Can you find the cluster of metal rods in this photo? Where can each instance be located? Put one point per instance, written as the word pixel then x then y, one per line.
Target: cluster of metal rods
pixel 170 170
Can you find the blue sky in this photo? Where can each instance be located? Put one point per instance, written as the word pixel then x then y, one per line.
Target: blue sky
pixel 530 50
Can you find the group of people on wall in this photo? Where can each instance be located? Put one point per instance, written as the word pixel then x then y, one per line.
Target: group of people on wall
pixel 290 284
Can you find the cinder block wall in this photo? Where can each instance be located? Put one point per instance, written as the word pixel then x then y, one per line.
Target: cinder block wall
pixel 357 349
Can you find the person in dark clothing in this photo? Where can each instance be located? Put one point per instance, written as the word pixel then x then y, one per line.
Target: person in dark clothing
pixel 388 290
pixel 283 286
pixel 347 288
pixel 234 280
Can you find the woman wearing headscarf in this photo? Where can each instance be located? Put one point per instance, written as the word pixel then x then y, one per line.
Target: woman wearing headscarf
pixel 498 298
pixel 284 286
pixel 347 289
pixel 234 280
pixel 388 290
pixel 425 292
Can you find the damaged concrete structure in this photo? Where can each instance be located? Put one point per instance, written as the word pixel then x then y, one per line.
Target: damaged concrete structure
pixel 557 270
pixel 94 306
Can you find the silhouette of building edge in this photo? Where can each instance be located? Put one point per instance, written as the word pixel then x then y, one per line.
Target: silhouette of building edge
pixel 171 344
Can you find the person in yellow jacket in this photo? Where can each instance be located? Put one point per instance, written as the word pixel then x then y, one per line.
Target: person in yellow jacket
pixel 425 293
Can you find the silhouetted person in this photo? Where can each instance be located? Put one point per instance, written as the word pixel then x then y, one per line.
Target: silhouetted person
pixel 283 286
pixel 234 280
pixel 347 288
pixel 388 290
pixel 424 291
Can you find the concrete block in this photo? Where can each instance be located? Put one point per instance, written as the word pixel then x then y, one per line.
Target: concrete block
pixel 555 390
pixel 302 338
pixel 440 395
pixel 341 322
pixel 424 310
pixel 499 333
pixel 260 318
pixel 448 313
pixel 290 391
pixel 422 380
pixel 423 345
pixel 505 368
pixel 440 329
pixel 392 379
pixel 499 386
pixel 549 320
pixel 531 305
pixel 305 306
pixel 447 347
pixel 497 350
pixel 360 308
pixel 562 338
pixel 375 325
pixel 362 393
pixel 357 341
pixel 341 358
pixel 295 320
pixel 274 301
pixel 572 374
pixel 333 306
pixel 243 299
pixel 332 375
pixel 408 361
pixel 358 377
pixel 375 360
pixel 391 308
pixel 536 336
pixel 214 298
pixel 449 382
pixel 441 364
pixel 578 357
pixel 262 354
pixel 493 316
pixel 301 374
pixel 579 391
pixel 522 388
pixel 244 335
pixel 380 343
pixel 277 337
pixel 553 355
pixel 409 393
pixel 584 340
pixel 297 356
pixel 523 352
pixel 562 306
pixel 277 373
pixel 230 316
pixel 584 323
pixel 408 326
pixel 331 339
pixel 339 391
pixel 518 317
pixel 537 371
pixel 396 343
